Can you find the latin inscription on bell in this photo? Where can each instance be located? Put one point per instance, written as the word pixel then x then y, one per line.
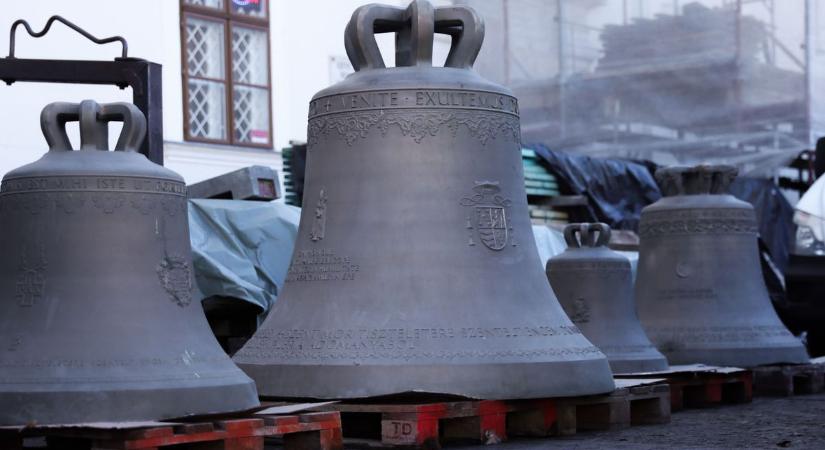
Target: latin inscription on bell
pixel 92 183
pixel 413 98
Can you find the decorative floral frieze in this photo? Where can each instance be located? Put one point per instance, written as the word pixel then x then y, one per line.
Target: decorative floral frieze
pixel 417 125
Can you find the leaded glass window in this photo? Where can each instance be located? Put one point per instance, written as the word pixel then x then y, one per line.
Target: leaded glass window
pixel 226 71
pixel 205 65
pixel 250 76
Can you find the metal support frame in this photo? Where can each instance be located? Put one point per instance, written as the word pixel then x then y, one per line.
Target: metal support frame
pixel 144 77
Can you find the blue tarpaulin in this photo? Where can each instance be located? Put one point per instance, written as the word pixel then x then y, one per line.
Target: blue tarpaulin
pixel 242 249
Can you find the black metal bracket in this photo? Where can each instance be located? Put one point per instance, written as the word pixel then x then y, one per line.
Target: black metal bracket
pixel 144 77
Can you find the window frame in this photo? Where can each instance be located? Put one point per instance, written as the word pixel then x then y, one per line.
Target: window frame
pixel 228 19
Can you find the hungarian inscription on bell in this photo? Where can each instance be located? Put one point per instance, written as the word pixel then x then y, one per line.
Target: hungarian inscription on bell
pixel 321 265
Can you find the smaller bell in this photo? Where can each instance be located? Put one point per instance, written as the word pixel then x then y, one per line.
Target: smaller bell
pixel 595 287
pixel 699 288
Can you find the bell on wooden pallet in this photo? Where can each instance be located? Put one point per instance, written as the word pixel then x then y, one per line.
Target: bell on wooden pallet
pixel 699 287
pixel 415 267
pixel 595 287
pixel 97 319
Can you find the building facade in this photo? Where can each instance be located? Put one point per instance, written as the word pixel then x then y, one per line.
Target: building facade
pixel 237 74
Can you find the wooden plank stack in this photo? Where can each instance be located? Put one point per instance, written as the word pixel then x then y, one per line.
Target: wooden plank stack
pixel 542 190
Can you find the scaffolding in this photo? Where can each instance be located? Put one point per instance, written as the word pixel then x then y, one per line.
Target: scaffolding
pixel 671 81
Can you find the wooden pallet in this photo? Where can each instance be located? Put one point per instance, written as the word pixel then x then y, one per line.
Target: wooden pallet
pixel 428 425
pixel 700 386
pixel 321 431
pixel 790 379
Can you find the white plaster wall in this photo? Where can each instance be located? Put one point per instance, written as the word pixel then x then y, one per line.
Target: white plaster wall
pixel 148 25
pixel 303 37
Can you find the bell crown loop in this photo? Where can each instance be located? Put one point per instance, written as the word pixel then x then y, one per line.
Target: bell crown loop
pixel 580 235
pixel 94 119
pixel 414 26
pixel 696 180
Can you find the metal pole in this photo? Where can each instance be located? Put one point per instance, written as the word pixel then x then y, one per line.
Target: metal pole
pixel 562 70
pixel 809 53
pixel 624 12
pixel 505 17
pixel 772 6
pixel 737 80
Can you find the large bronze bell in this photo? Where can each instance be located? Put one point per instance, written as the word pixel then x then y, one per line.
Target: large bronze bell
pixel 97 317
pixel 595 287
pixel 699 288
pixel 415 267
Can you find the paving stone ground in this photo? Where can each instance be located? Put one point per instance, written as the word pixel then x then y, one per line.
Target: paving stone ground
pixel 767 423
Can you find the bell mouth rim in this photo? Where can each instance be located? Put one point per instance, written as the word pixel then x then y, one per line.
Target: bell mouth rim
pixel 475 381
pixel 93 404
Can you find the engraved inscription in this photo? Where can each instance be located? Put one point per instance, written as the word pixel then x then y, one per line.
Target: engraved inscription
pixel 321 265
pixel 175 276
pixel 400 343
pixel 703 294
pixel 489 209
pixel 413 99
pixel 483 126
pixel 319 225
pixel 638 348
pixel 698 221
pixel 606 267
pixel 31 280
pixel 717 334
pixel 92 183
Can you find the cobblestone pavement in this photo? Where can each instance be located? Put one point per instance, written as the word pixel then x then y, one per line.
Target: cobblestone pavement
pixel 767 423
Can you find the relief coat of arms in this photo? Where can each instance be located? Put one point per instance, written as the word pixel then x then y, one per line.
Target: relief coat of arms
pixel 175 276
pixel 488 216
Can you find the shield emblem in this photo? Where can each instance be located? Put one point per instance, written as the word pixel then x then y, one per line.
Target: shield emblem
pixel 490 210
pixel 492 226
pixel 31 281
